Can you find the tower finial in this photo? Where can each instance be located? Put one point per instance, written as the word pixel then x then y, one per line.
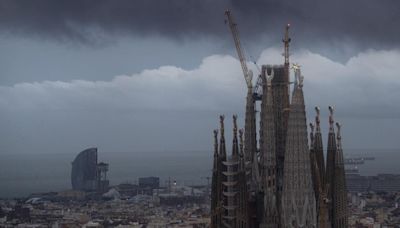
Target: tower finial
pixel 286 40
pixel 216 141
pixel 235 145
pixel 338 134
pixel 297 73
pixel 339 159
pixel 312 135
pixel 215 149
pixel 317 119
pixel 241 142
pixel 331 120
pixel 234 125
pixel 241 152
pixel 221 121
pixel 269 77
pixel 222 148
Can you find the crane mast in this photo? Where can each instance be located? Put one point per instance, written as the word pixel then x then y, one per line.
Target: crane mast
pixel 286 40
pixel 235 33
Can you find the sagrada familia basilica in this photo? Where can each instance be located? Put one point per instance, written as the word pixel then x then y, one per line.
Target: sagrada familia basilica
pixel 278 177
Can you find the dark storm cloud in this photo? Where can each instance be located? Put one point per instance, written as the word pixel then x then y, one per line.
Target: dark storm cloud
pixel 369 23
pixel 365 20
pixel 78 18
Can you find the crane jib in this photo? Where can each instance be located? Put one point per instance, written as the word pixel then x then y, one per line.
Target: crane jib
pixel 248 74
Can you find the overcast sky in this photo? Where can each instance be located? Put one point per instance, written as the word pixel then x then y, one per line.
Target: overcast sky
pixel 151 75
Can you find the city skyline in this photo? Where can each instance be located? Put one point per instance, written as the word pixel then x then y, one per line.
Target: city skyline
pixel 109 113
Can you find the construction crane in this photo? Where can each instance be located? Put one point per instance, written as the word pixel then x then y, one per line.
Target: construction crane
pixel 248 74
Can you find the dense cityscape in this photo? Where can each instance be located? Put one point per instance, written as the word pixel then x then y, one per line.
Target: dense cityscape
pixel 373 201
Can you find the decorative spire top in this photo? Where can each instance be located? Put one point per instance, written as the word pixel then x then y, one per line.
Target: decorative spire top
pixel 215 150
pixel 234 126
pixel 216 140
pixel 312 135
pixel 221 121
pixel 235 146
pixel 317 119
pixel 241 142
pixel 338 135
pixel 331 120
pixel 269 77
pixel 222 148
pixel 339 155
pixel 241 152
pixel 286 40
pixel 298 77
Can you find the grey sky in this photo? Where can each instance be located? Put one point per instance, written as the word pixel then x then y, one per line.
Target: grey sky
pixel 368 22
pixel 154 75
pixel 30 60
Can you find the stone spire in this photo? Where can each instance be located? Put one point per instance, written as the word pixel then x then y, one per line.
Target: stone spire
pixel 298 200
pixel 330 163
pixel 222 171
pixel 339 194
pixel 320 188
pixel 242 166
pixel 250 138
pixel 217 198
pixel 314 165
pixel 312 127
pixel 231 206
pixel 242 219
pixel 280 94
pixel 215 150
pixel 268 154
pixel 318 164
pixel 215 187
pixel 322 201
pixel 222 147
pixel 235 144
pixel 318 146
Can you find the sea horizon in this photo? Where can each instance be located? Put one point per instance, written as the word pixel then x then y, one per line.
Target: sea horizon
pixel 22 174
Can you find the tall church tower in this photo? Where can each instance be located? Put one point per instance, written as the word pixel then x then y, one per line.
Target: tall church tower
pixel 330 162
pixel 339 199
pixel 336 182
pixel 268 153
pixel 298 200
pixel 318 173
pixel 229 201
pixel 217 197
pixel 280 93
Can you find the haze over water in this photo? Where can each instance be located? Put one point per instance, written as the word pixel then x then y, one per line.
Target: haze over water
pixel 23 174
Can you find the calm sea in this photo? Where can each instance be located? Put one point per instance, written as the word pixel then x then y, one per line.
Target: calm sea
pixel 22 174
